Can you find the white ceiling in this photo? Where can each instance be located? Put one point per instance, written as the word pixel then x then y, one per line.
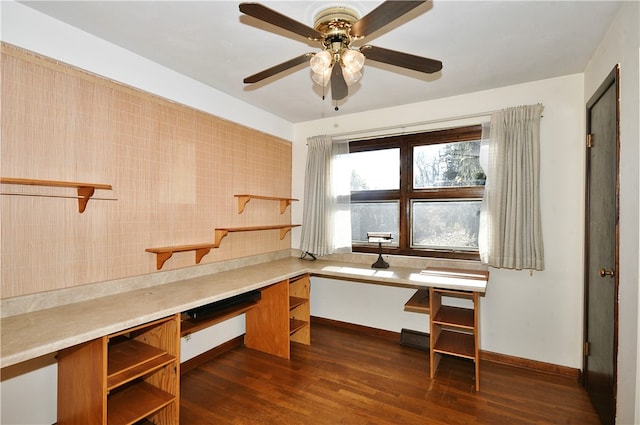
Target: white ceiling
pixel 482 44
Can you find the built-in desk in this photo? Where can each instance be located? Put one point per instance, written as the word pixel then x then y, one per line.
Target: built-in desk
pixel 118 355
pixel 30 335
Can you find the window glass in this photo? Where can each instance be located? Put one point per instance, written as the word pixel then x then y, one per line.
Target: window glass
pixel 450 225
pixel 447 165
pixel 374 217
pixel 425 188
pixel 375 170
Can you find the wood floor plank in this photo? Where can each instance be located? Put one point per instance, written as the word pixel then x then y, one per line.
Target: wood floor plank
pixel 346 377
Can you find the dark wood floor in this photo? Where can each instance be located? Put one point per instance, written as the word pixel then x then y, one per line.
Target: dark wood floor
pixel 346 377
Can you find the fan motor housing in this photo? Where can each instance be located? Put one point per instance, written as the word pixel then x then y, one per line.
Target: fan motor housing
pixel 335 24
pixel 335 21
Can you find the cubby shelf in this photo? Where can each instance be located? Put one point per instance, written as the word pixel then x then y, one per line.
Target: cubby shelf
pixel 454 330
pixel 244 198
pixel 299 310
pixel 122 378
pixel 85 190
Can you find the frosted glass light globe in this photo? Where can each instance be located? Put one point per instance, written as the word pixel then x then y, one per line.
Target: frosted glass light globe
pixel 320 62
pixel 350 77
pixel 352 59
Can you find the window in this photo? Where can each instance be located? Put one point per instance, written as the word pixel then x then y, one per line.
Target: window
pixel 424 188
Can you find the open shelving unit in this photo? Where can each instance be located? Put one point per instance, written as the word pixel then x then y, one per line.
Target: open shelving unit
pixel 280 318
pixel 85 190
pixel 299 310
pixel 454 330
pixel 122 378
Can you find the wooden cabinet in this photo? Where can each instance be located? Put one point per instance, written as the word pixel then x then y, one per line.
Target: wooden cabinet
pixel 281 316
pixel 122 378
pixel 454 330
pixel 299 310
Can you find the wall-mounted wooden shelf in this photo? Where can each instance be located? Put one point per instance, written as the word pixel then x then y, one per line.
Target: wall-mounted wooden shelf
pixel 85 190
pixel 164 253
pixel 243 199
pixel 220 233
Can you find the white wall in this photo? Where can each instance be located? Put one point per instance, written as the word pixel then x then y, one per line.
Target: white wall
pixel 28 391
pixel 535 316
pixel 622 45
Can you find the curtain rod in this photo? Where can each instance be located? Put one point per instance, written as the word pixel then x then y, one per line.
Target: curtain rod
pixel 340 136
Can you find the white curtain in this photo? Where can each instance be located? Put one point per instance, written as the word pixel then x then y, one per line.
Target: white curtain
pixel 510 224
pixel 326 212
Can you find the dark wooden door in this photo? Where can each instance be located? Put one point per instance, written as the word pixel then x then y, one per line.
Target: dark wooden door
pixel 601 248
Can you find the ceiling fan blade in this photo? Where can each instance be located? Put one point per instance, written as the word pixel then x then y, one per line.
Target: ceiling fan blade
pixel 339 89
pixel 265 14
pixel 382 15
pixel 277 69
pixel 403 60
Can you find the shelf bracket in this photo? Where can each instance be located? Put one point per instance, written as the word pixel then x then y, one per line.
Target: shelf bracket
pixel 284 231
pixel 201 252
pixel 84 194
pixel 220 234
pixel 161 258
pixel 242 202
pixel 284 203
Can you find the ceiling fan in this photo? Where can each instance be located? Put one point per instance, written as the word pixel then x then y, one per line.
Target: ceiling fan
pixel 335 29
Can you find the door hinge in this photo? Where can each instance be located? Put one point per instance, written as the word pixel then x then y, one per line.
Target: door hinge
pixel 589 140
pixel 587 346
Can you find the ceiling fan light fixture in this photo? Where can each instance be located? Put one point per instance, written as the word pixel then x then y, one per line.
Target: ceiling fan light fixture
pixel 335 28
pixel 350 76
pixel 352 59
pixel 320 62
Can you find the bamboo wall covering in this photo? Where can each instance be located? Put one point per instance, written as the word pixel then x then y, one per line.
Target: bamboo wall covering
pixel 174 172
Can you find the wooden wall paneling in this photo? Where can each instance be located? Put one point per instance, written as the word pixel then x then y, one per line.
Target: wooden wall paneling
pixel 174 171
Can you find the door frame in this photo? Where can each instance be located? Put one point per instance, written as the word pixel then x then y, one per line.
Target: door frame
pixel 612 79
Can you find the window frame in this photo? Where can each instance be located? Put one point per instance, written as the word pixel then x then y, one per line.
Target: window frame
pixel 406 193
